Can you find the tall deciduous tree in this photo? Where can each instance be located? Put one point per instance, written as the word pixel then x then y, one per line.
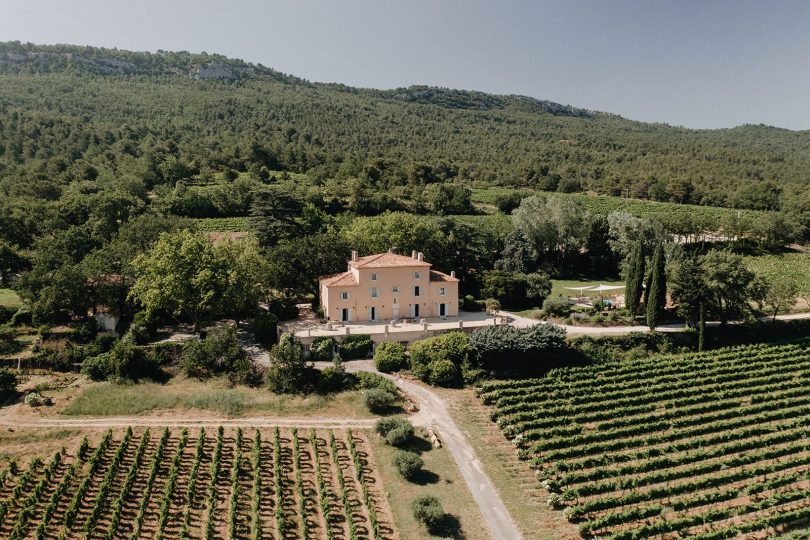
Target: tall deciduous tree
pixel 556 227
pixel 294 266
pixel 518 254
pixel 689 289
pixel 780 294
pixel 245 277
pixel 11 262
pixel 181 276
pixel 657 292
pixel 404 232
pixel 634 277
pixel 731 286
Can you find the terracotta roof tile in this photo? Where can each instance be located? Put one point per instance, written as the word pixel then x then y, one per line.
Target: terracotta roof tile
pixel 386 260
pixel 339 280
pixel 435 275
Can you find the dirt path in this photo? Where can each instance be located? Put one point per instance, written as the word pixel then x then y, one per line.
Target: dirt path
pixel 186 421
pixel 433 412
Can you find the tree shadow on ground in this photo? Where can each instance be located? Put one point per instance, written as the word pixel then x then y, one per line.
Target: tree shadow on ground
pixel 448 527
pixel 419 445
pixel 425 477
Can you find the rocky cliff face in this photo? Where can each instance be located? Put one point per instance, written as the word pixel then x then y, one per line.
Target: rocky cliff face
pixel 215 70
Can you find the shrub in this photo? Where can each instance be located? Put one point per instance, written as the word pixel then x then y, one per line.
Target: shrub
pixel 44 331
pixel 62 354
pixel 452 346
pixel 400 436
pixel 508 288
pixel 396 430
pixel 104 342
pixel 355 346
pixel 409 464
pixel 443 373
pixel 6 313
pixel 97 368
pixel 86 331
pixel 127 361
pixel 219 352
pixel 246 372
pixel 142 327
pixel 378 400
pixel 332 379
pixel 469 303
pixel 167 353
pixel 23 316
pixel 557 306
pixel 322 349
pixel 287 373
pixel 492 306
pixel 538 287
pixel 503 348
pixel 265 328
pixel 367 380
pixel 124 360
pixel 386 425
pixel 389 357
pixel 8 384
pixel 35 399
pixel 509 201
pixel 428 511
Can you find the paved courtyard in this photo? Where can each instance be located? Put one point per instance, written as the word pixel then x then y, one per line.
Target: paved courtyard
pixel 309 328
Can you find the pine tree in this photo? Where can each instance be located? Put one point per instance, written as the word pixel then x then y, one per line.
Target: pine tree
pixel 657 292
pixel 634 279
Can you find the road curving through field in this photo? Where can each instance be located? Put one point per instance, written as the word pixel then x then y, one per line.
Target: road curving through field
pixel 433 412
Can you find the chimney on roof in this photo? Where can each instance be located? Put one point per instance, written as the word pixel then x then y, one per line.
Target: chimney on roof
pixel 354 256
pixel 452 273
pixel 413 254
pixel 420 256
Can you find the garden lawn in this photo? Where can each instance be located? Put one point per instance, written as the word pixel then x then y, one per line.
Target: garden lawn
pixel 109 399
pixel 9 298
pixel 558 287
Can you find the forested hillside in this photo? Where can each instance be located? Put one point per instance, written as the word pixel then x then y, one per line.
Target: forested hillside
pixel 103 150
pixel 69 113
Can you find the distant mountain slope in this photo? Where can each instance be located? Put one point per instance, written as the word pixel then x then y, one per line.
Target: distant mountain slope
pixel 62 107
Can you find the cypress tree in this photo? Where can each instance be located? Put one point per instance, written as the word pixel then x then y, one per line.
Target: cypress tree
pixel 647 281
pixel 634 279
pixel 657 292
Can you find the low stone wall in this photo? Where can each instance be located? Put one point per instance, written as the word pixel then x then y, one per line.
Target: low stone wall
pixel 400 333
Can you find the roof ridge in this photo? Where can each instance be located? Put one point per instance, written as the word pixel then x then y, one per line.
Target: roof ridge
pixel 379 259
pixel 371 258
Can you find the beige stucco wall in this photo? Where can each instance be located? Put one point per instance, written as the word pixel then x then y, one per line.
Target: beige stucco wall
pixel 385 304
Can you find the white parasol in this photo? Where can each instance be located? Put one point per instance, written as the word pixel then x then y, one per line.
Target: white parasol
pixel 580 289
pixel 604 288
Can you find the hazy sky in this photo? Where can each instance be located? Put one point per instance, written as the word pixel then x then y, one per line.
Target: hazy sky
pixel 698 63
